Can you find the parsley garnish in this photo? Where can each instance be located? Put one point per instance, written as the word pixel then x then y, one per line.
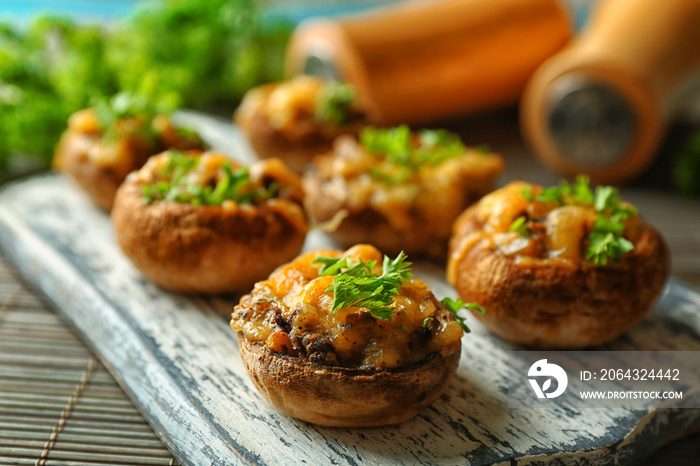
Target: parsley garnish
pixel 519 225
pixel 606 239
pixel 565 194
pixel 455 306
pixel 142 108
pixel 334 103
pixel 356 284
pixel 189 135
pixel 407 150
pixel 130 105
pixel 235 184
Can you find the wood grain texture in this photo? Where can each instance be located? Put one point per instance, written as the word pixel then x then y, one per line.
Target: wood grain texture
pixel 177 359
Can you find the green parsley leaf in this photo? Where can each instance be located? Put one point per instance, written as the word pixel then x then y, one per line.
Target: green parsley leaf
pixel 457 305
pixel 129 105
pixel 582 190
pixel 147 193
pixel 334 266
pixel 565 194
pixel 357 285
pixel 394 144
pixel 334 103
pixel 360 268
pixel 400 147
pixel 605 225
pixel 144 107
pixel 397 269
pixel 606 196
pixel 552 195
pixel 330 265
pixel 519 225
pixel 234 185
pixel 605 245
pixel 606 239
pixel 624 245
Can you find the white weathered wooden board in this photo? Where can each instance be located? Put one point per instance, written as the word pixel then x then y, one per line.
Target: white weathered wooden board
pixel 177 359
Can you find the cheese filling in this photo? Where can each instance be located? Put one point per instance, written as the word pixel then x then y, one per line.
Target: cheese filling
pixel 549 233
pixel 291 313
pixel 212 179
pixel 433 194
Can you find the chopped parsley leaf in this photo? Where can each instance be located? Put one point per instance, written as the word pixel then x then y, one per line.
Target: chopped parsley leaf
pixel 174 185
pixel 334 103
pixel 606 240
pixel 356 285
pixel 519 225
pixel 400 147
pixel 457 305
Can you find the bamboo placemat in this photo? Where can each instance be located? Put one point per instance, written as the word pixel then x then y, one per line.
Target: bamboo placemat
pixel 58 404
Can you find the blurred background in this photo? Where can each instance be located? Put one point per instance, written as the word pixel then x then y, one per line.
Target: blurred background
pixel 608 88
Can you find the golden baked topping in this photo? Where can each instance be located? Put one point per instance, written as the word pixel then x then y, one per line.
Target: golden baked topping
pixel 120 133
pixel 566 225
pixel 310 98
pixel 392 174
pixel 205 178
pixel 345 309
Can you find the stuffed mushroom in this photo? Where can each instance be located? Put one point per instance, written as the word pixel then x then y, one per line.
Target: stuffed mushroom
pixel 347 339
pixel 198 222
pixel 104 144
pixel 299 118
pixel 558 267
pixel 396 189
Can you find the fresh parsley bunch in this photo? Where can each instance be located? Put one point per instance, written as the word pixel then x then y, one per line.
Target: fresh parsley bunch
pixel 201 52
pixel 206 51
pixel 606 240
pixel 174 186
pixel 47 71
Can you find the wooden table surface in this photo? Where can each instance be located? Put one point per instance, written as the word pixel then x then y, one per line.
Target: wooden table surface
pixel 59 406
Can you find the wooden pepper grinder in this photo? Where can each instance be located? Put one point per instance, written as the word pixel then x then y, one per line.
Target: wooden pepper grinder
pixel 421 60
pixel 602 105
